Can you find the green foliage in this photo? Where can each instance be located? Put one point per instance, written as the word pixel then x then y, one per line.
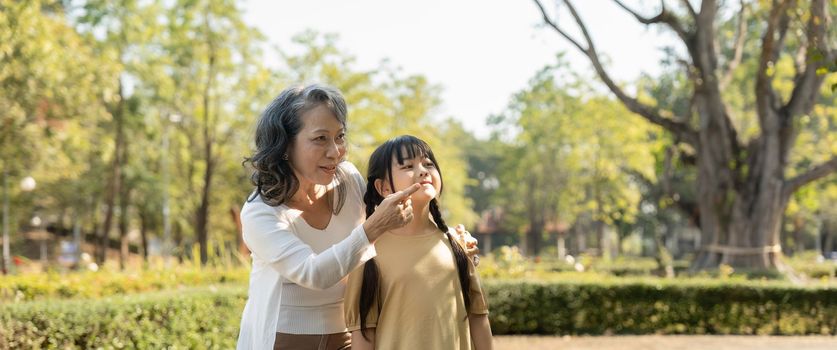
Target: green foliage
pixel 384 103
pixel 205 318
pixel 508 263
pixel 669 308
pixel 137 64
pixel 49 76
pixel 570 158
pixel 18 288
pixel 208 317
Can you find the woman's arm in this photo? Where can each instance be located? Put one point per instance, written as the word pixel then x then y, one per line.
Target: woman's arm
pixel 270 238
pixel 480 332
pixel 468 242
pixel 360 343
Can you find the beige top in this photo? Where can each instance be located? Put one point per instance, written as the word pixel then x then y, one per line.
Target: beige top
pixel 420 301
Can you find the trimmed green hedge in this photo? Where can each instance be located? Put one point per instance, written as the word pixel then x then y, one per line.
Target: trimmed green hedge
pixel 208 318
pixel 73 285
pixel 670 308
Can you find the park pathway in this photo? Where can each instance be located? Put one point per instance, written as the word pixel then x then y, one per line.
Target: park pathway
pixel 670 342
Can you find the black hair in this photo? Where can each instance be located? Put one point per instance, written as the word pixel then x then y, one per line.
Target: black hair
pixel 380 168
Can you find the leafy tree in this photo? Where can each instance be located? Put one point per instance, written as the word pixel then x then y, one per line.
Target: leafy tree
pixel 743 183
pixel 383 103
pixel 569 158
pixel 41 99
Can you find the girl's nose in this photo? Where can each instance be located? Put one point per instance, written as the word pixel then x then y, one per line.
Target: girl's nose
pixel 422 171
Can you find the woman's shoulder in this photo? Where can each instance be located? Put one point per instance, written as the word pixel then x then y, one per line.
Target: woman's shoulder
pixel 255 204
pixel 353 176
pixel 349 168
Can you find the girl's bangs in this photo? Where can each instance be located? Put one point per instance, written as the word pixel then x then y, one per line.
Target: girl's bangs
pixel 409 147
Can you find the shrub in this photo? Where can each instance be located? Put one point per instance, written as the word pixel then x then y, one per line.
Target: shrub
pixel 16 288
pixel 669 308
pixel 205 318
pixel 208 317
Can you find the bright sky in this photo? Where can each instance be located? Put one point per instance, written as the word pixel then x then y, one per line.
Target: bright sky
pixel 480 52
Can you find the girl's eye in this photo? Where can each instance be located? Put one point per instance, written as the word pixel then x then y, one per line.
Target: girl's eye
pixel 429 164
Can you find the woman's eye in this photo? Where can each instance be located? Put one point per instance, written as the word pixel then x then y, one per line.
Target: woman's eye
pixel 320 138
pixel 341 138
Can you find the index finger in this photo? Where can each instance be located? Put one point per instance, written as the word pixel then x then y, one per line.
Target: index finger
pixel 406 192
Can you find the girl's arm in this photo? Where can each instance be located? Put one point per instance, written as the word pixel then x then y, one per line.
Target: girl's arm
pixel 480 332
pixel 360 343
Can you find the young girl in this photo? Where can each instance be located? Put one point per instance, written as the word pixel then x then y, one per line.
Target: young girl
pixel 421 291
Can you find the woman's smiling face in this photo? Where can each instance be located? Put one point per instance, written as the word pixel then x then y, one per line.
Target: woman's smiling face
pixel 319 147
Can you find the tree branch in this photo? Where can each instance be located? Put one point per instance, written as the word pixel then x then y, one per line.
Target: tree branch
pixel 681 130
pixel 784 25
pixel 765 95
pixel 664 17
pixel 738 46
pixel 703 52
pixel 554 26
pixel 689 7
pixel 799 59
pixel 819 53
pixel 790 186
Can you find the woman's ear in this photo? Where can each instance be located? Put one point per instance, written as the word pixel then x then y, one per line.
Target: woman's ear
pixel 288 151
pixel 382 187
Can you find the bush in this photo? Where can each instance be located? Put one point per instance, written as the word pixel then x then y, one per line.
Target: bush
pixel 206 318
pixel 16 288
pixel 810 264
pixel 669 308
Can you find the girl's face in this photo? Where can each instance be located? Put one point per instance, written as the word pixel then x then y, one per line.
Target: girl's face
pixel 319 147
pixel 414 170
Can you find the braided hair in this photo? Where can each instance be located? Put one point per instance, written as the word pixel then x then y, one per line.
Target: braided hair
pixel 380 168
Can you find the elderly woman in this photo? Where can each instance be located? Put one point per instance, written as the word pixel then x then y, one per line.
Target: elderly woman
pixel 304 223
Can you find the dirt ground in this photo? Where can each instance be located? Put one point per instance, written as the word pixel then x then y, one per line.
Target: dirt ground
pixel 658 342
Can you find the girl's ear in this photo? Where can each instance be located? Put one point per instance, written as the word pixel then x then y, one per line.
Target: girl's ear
pixel 382 187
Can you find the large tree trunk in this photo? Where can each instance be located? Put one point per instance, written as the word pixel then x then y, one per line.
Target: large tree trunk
pixel 742 191
pixel 740 207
